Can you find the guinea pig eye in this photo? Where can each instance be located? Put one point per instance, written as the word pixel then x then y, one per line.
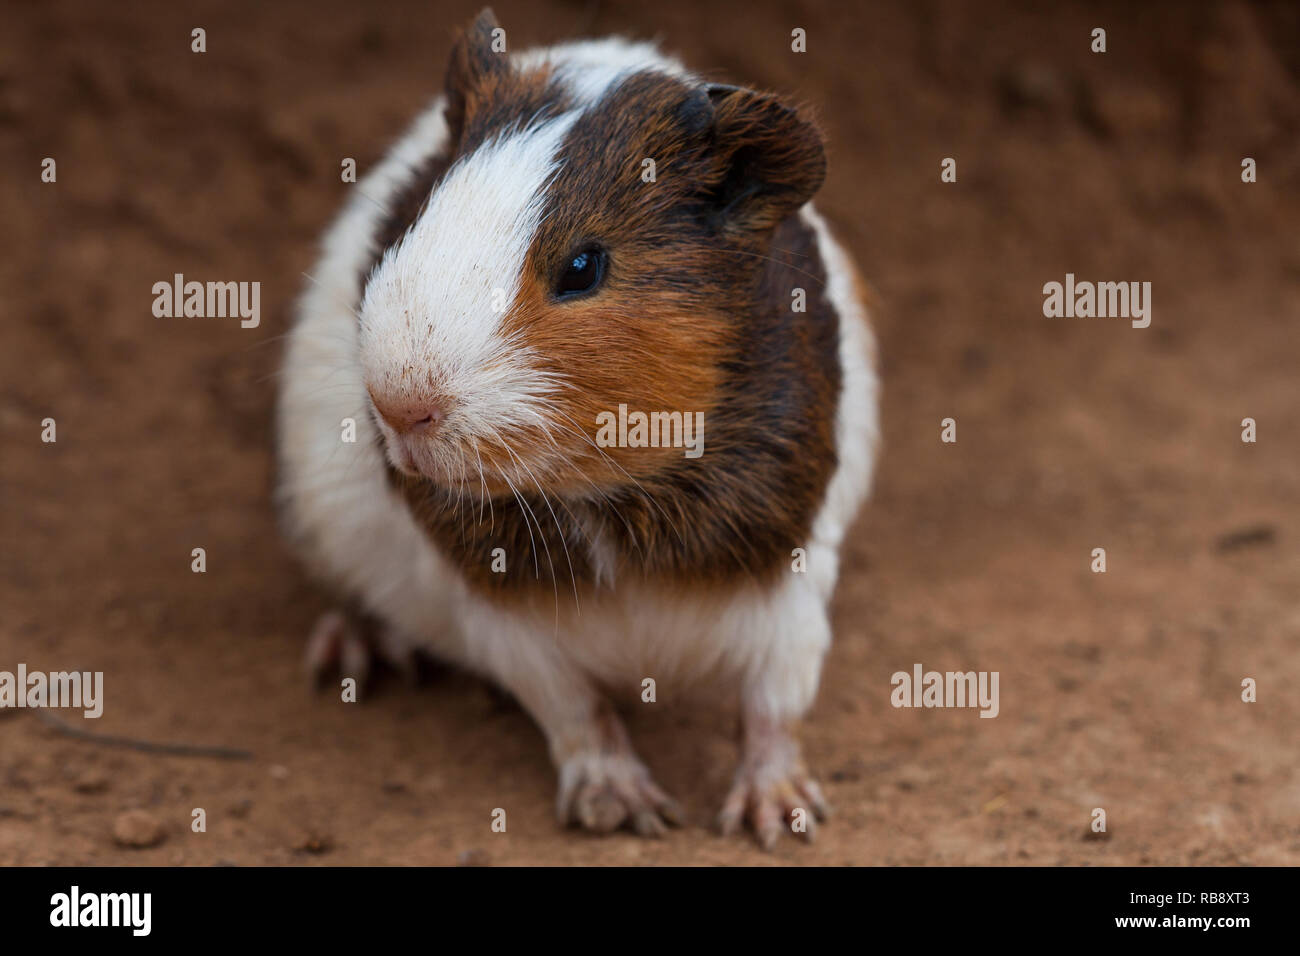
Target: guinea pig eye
pixel 582 273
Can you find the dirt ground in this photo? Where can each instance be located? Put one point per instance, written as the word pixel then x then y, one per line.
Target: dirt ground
pixel 1119 690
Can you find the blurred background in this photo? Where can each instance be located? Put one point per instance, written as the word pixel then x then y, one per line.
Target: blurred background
pixel 1118 690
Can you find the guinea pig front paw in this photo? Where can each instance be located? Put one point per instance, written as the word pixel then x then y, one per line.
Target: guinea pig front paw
pixel 602 791
pixel 773 791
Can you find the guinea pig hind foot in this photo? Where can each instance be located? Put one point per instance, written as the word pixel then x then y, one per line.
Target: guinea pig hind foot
pixel 345 644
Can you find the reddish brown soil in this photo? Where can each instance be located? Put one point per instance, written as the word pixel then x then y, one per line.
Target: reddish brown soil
pixel 1119 691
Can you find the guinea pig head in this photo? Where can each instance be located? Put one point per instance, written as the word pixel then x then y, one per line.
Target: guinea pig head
pixel 593 239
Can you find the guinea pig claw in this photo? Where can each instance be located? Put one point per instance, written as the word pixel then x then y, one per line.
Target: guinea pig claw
pixel 325 643
pixel 603 792
pixel 339 645
pixel 772 803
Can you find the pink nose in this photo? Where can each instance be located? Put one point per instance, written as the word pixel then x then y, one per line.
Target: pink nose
pixel 410 417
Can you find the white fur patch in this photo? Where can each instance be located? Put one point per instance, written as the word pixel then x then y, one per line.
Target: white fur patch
pixel 588 69
pixel 431 319
pixel 356 533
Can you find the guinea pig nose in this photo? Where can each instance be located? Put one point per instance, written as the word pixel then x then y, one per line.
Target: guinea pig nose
pixel 419 417
pixel 433 417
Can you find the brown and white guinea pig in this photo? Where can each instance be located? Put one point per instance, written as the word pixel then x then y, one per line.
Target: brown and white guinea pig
pixel 569 236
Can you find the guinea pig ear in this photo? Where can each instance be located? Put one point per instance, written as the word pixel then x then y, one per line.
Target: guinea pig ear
pixel 477 62
pixel 768 160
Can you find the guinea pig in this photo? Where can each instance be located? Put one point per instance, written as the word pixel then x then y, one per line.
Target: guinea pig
pixel 582 397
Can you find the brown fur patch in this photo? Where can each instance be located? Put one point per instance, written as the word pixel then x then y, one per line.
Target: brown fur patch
pixel 734 513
